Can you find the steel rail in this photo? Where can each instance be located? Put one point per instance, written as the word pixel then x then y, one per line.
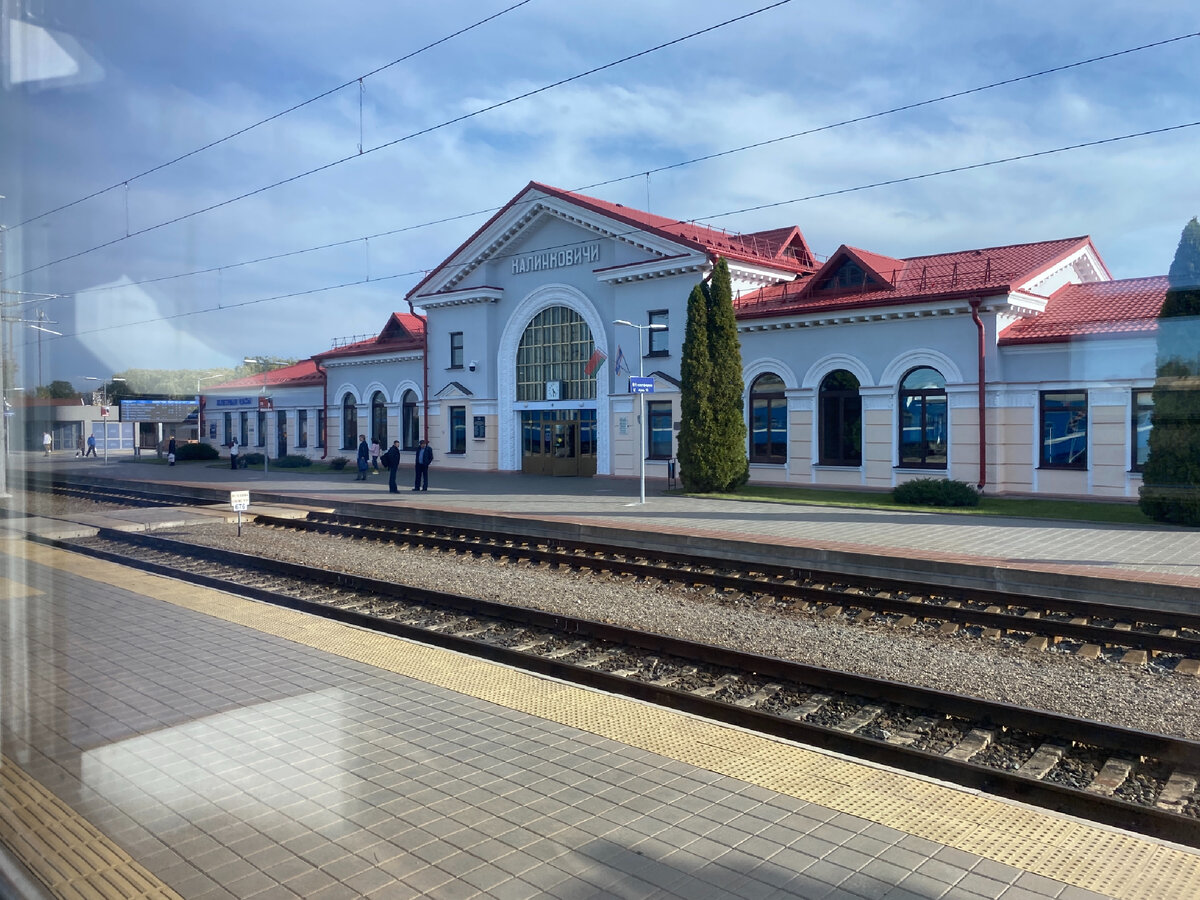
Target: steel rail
pixel 1109 810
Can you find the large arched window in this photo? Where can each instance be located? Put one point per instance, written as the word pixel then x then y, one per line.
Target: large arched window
pixel 379 418
pixel 552 355
pixel 768 420
pixel 349 423
pixel 410 422
pixel 841 420
pixel 923 419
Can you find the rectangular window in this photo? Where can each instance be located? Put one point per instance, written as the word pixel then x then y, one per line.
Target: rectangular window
pixel 244 429
pixel 458 429
pixel 321 428
pixel 302 428
pixel 658 336
pixel 1064 429
pixel 658 429
pixel 228 432
pixel 456 350
pixel 262 428
pixel 1143 411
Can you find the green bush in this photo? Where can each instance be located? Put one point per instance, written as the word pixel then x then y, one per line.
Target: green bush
pixel 246 460
pixel 337 463
pixel 935 492
pixel 293 462
pixel 195 451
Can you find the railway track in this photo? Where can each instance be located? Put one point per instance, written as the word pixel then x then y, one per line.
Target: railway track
pixel 1088 629
pixel 1136 780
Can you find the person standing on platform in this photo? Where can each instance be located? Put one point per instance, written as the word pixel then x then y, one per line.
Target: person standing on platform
pixel 171 451
pixel 233 454
pixel 364 456
pixel 91 444
pixel 47 440
pixel 391 459
pixel 424 458
pixel 79 446
pixel 375 454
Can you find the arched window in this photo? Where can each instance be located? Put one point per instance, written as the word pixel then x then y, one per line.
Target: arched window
pixel 349 423
pixel 554 350
pixel 379 419
pixel 410 422
pixel 841 420
pixel 923 419
pixel 768 420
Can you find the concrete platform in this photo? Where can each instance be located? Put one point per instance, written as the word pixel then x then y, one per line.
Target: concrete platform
pixel 161 740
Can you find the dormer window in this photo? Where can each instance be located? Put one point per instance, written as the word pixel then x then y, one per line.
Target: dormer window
pixel 847 276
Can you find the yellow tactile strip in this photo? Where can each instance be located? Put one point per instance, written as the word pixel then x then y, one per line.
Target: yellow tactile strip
pixel 65 851
pixel 1091 857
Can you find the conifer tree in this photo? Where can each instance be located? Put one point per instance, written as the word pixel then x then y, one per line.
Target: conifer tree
pixel 712 432
pixel 695 402
pixel 1171 477
pixel 731 467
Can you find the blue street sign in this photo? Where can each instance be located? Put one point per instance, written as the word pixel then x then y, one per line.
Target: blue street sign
pixel 639 385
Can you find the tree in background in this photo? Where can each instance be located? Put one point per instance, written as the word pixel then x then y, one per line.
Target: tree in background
pixel 1171 477
pixel 56 390
pixel 712 432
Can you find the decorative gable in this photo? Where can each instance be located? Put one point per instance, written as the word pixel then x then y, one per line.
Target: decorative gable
pixel 856 270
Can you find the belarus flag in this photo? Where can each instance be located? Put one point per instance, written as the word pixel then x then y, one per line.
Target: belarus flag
pixel 594 362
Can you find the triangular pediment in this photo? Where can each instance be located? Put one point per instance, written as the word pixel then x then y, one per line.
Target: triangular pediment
pixel 541 210
pixel 852 270
pixel 453 391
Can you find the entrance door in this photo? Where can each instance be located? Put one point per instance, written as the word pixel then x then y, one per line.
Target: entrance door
pixel 281 448
pixel 565 456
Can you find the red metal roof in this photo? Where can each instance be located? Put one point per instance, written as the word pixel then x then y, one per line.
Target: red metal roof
pixel 402 331
pixel 938 276
pixel 296 375
pixel 1126 307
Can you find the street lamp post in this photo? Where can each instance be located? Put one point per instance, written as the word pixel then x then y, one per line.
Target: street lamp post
pixel 654 326
pixel 104 406
pixel 266 450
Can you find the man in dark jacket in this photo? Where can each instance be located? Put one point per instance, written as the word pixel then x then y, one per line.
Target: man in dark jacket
pixel 364 455
pixel 391 459
pixel 424 458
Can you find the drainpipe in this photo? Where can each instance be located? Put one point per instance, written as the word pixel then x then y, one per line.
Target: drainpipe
pixel 982 404
pixel 425 365
pixel 324 408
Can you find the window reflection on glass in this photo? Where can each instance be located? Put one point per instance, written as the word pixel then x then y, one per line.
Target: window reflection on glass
pixel 768 420
pixel 841 420
pixel 1143 412
pixel 924 419
pixel 1064 429
pixel 658 442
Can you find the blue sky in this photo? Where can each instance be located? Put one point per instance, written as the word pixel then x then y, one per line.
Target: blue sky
pixel 127 86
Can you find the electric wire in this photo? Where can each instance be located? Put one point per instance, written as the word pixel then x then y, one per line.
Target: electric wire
pixel 358 80
pixel 863 187
pixel 358 155
pixel 677 165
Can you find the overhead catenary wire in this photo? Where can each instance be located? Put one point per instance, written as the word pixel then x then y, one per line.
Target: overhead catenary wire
pixel 831 193
pixel 462 118
pixel 278 115
pixel 677 165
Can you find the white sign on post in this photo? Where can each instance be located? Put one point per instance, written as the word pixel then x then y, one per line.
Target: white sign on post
pixel 239 500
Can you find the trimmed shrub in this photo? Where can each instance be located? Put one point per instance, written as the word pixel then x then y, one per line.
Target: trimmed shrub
pixel 935 492
pixel 293 462
pixel 246 460
pixel 194 451
pixel 337 463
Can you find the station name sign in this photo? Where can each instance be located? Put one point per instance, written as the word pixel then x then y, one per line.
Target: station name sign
pixel 556 259
pixel 238 402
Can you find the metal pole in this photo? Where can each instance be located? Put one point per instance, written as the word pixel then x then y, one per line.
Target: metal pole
pixel 104 418
pixel 642 414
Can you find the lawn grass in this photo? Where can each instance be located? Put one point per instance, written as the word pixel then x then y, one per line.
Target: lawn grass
pixel 1125 513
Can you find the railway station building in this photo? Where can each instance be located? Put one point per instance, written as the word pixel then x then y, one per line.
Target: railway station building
pixel 1024 369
